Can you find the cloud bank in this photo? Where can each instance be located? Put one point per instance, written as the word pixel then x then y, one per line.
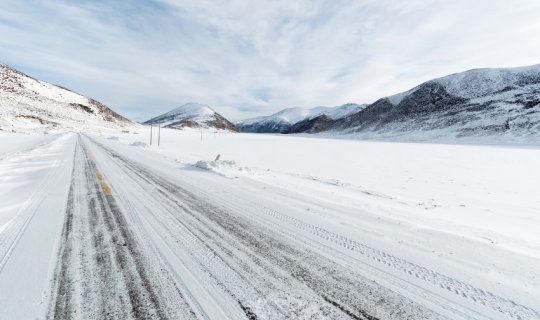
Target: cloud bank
pixel 247 58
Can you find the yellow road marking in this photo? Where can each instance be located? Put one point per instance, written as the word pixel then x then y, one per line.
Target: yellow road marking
pixel 106 189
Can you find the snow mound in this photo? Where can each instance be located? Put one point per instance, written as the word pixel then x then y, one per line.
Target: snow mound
pixel 226 168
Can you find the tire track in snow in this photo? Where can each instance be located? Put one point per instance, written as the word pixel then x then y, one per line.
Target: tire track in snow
pixel 500 304
pixel 102 271
pixel 503 306
pixel 231 241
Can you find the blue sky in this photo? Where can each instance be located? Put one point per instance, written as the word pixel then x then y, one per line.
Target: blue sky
pixel 247 58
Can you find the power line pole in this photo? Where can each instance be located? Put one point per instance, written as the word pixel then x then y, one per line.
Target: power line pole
pixel 159 134
pixel 150 134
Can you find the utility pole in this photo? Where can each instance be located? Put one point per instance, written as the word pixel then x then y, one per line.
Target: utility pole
pixel 150 134
pixel 201 134
pixel 159 134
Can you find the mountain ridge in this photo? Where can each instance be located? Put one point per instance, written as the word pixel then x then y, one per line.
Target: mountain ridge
pixel 283 121
pixel 29 103
pixel 477 102
pixel 492 101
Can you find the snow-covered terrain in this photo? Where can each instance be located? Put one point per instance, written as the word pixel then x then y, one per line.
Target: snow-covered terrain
pixel 34 183
pixel 193 115
pixel 225 227
pixel 27 104
pixel 281 121
pixel 14 143
pixel 97 222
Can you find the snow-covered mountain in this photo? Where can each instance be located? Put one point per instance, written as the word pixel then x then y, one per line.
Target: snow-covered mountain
pixel 284 120
pixel 28 103
pixel 193 115
pixel 475 103
pixel 480 102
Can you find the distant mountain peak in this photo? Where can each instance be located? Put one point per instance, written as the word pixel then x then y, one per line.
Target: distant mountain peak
pixel 193 115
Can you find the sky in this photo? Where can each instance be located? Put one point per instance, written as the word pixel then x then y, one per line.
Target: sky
pixel 248 57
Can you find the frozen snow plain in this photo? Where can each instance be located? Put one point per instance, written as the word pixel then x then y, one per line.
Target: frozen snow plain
pixel 280 227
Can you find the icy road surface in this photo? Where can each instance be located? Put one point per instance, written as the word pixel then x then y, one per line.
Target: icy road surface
pixel 123 235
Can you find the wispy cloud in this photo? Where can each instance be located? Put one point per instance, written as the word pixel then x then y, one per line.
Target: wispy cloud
pixel 252 57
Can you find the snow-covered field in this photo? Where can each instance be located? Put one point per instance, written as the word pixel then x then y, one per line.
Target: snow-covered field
pixel 278 227
pixel 474 191
pixel 468 210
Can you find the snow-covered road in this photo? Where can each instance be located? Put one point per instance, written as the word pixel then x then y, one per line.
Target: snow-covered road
pixel 103 271
pixel 143 239
pixel 231 263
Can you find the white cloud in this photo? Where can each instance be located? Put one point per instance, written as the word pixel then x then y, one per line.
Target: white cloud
pixel 253 57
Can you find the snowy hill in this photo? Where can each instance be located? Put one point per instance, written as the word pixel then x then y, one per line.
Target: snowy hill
pixel 28 103
pixel 193 115
pixel 283 121
pixel 475 103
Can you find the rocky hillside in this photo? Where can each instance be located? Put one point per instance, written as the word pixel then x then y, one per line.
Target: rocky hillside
pixel 474 103
pixel 28 103
pixel 193 115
